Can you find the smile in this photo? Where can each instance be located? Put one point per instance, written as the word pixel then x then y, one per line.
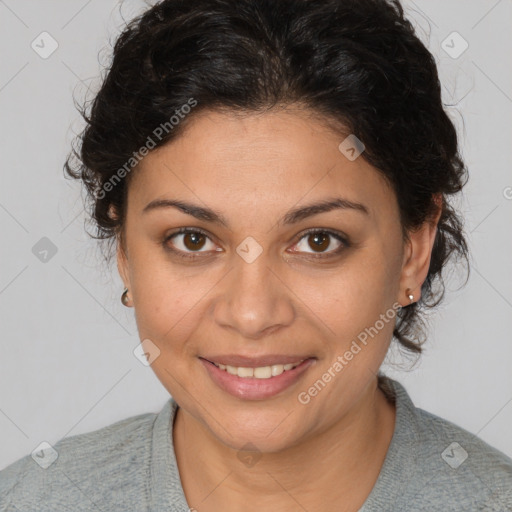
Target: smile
pixel 261 372
pixel 256 383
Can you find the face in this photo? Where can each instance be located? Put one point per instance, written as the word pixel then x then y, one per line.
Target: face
pixel 257 274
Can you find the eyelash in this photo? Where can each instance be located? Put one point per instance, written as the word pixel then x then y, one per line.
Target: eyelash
pixel 193 256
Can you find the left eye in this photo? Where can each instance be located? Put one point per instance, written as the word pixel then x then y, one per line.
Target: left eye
pixel 320 241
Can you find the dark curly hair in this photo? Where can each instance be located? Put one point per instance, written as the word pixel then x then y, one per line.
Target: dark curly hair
pixel 355 63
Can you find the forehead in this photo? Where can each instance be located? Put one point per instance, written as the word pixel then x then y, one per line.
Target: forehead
pixel 267 162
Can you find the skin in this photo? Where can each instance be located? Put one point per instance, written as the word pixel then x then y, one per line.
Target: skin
pixel 323 455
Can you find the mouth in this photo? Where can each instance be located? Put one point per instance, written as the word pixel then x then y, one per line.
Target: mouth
pixel 258 372
pixel 257 382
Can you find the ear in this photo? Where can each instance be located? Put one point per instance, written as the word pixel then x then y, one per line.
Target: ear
pixel 122 262
pixel 122 258
pixel 417 255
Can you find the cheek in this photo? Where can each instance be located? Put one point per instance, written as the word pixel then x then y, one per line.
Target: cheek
pixel 356 303
pixel 167 297
pixel 351 297
pixel 168 307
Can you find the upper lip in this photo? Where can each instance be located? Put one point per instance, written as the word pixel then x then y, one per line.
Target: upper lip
pixel 254 362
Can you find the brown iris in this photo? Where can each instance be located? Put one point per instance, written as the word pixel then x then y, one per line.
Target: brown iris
pixel 321 241
pixel 193 241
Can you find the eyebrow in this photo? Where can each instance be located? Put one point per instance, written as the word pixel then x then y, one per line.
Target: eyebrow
pixel 291 217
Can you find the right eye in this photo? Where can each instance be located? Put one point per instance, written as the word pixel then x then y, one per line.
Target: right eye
pixel 188 241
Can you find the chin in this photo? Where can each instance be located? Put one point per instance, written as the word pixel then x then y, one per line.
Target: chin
pixel 265 433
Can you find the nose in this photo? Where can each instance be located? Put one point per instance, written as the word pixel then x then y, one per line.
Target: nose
pixel 253 299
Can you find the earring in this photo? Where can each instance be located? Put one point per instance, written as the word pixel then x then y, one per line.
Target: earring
pixel 410 296
pixel 124 298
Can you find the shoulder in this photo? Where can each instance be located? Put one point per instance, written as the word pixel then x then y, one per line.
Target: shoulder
pixel 469 463
pixel 454 467
pixel 82 470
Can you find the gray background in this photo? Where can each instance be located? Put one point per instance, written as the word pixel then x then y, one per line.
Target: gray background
pixel 67 363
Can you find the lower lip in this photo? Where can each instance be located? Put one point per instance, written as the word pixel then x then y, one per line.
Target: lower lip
pixel 250 388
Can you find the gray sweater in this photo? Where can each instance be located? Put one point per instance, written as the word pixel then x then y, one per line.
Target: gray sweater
pixel 431 465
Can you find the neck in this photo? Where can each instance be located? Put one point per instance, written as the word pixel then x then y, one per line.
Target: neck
pixel 339 465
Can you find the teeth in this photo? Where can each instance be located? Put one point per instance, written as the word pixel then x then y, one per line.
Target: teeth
pixel 262 372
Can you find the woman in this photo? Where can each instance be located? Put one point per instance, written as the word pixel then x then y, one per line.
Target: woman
pixel 274 177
